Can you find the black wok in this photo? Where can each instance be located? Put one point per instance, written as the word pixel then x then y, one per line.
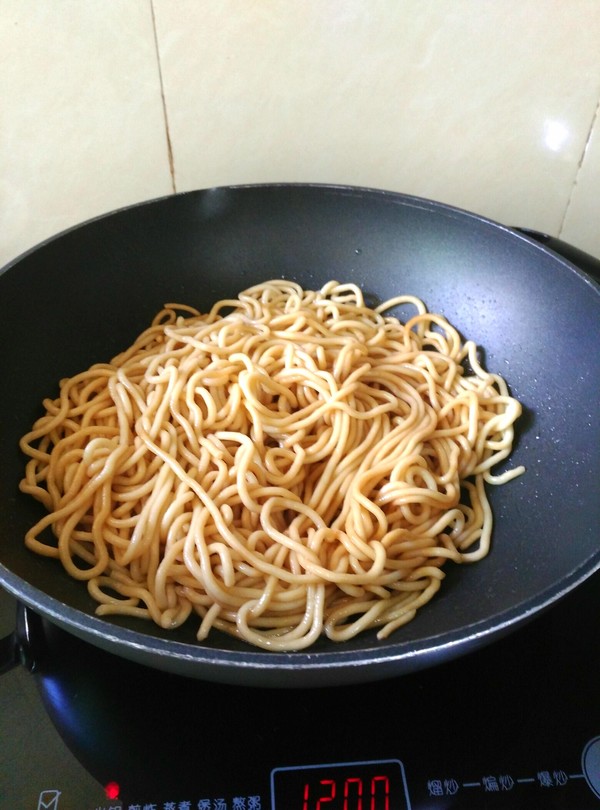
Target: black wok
pixel 83 296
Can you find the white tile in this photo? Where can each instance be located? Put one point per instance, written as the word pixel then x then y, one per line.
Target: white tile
pixel 582 221
pixel 479 104
pixel 81 121
pixel 484 105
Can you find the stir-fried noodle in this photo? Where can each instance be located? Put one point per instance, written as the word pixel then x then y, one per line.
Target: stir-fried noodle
pixel 290 464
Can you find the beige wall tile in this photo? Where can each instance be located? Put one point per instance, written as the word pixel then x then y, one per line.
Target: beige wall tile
pixel 483 105
pixel 81 120
pixel 582 221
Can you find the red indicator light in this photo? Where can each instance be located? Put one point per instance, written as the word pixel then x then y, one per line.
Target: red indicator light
pixel 112 790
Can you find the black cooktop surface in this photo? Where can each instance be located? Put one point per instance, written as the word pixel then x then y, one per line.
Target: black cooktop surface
pixel 514 725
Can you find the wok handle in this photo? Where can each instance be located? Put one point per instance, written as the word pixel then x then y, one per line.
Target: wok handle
pixel 585 261
pixel 25 644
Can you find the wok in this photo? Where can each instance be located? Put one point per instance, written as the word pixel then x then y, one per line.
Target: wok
pixel 83 296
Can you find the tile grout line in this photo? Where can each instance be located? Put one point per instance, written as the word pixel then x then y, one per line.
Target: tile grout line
pixel 164 102
pixel 595 117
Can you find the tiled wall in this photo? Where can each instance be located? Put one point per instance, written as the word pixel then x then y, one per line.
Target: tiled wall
pixel 491 105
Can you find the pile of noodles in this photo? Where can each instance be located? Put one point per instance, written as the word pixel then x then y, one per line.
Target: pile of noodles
pixel 290 464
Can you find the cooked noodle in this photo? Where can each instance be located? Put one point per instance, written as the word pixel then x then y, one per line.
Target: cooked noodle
pixel 290 464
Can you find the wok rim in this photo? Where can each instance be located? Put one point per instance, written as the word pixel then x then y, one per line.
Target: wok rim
pixel 446 645
pixel 352 190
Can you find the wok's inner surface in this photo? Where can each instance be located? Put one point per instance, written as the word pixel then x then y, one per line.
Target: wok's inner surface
pixel 84 296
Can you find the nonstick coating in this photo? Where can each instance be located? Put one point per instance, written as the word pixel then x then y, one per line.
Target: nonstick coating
pixel 82 297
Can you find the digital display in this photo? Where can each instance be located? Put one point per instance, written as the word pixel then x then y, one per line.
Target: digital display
pixel 372 785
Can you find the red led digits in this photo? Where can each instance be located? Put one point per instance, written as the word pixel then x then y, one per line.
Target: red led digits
pixel 378 797
pixel 377 784
pixel 384 783
pixel 357 790
pixel 323 798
